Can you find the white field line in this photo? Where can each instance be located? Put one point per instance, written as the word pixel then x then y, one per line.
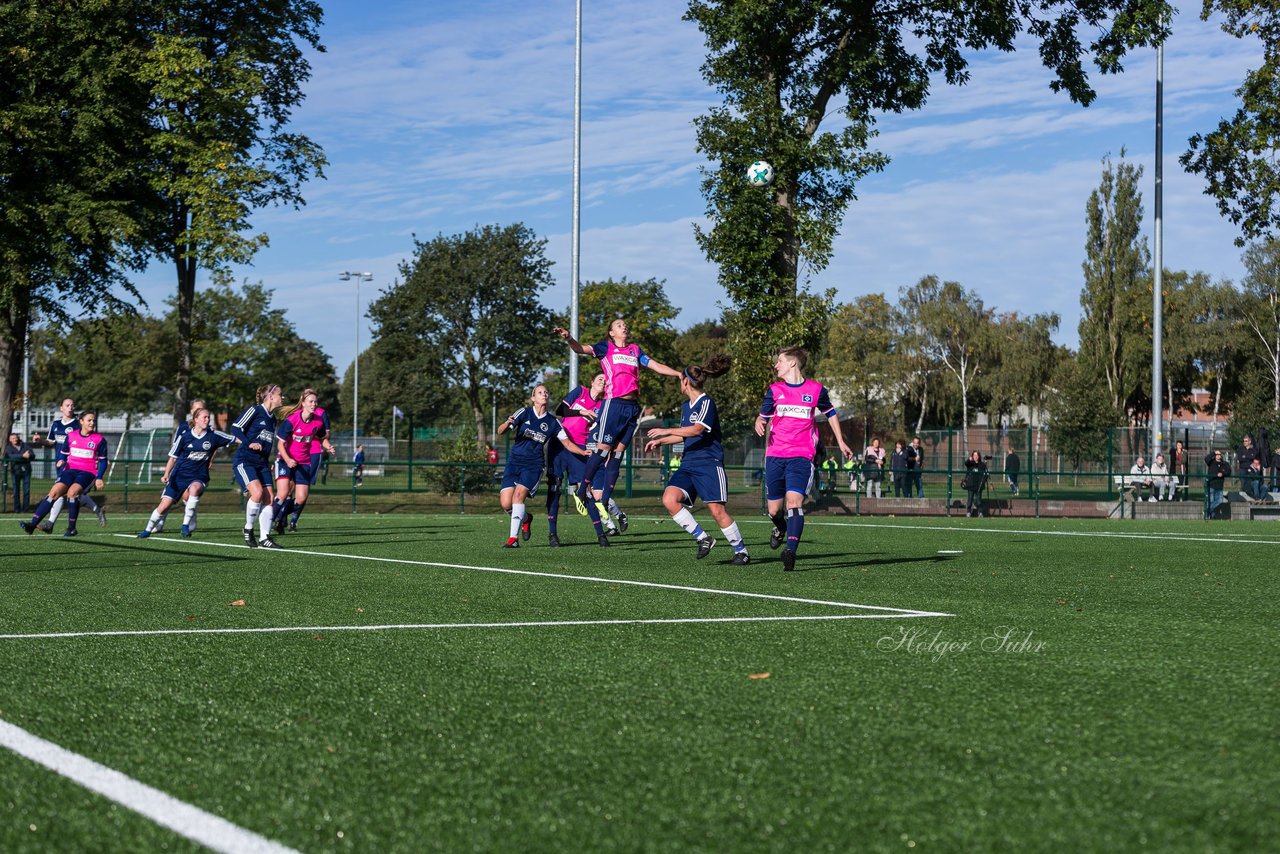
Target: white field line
pixel 214 833
pixel 521 625
pixel 1190 538
pixel 565 576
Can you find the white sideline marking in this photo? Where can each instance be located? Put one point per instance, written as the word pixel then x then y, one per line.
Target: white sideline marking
pixel 1190 538
pixel 503 570
pixel 182 818
pixel 531 624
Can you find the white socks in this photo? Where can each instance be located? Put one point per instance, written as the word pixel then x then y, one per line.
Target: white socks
pixel 685 520
pixel 189 515
pixel 517 519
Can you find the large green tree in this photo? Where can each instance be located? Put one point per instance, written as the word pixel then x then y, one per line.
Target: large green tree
pixel 1260 311
pixel 1238 158
pixel 960 327
pixel 863 365
pixel 784 67
pixel 469 303
pixel 1115 336
pixel 1023 361
pixel 240 343
pixel 224 78
pixel 71 134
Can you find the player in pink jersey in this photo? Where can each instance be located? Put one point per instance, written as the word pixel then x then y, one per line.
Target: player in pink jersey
pixel 577 413
pixel 621 363
pixel 86 463
pixel 298 432
pixel 789 411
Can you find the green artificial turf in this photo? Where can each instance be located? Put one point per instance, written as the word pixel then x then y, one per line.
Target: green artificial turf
pixel 1097 686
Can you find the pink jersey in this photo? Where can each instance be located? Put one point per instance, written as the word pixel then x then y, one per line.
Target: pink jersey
pixel 83 452
pixel 792 408
pixel 621 368
pixel 300 436
pixel 577 429
pixel 317 447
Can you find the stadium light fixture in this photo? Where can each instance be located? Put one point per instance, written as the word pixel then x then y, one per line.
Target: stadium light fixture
pixel 347 276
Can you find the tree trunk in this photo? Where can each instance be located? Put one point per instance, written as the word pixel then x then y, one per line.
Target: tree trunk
pixel 185 263
pixel 924 401
pixel 15 322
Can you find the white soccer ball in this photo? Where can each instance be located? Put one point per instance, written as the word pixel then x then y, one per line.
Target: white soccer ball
pixel 760 174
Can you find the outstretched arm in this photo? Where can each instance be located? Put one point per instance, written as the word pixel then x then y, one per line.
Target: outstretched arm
pixel 574 344
pixel 663 369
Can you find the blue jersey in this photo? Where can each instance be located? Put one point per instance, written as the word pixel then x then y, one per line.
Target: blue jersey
pixel 57 434
pixel 704 447
pixel 193 452
pixel 255 424
pixel 533 431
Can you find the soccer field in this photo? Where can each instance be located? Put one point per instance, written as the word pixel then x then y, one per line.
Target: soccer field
pixel 402 683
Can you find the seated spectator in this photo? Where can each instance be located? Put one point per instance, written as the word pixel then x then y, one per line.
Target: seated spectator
pixel 1216 473
pixel 1165 486
pixel 1140 480
pixel 1255 481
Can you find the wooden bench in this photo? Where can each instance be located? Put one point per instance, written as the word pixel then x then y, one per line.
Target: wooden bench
pixel 1123 483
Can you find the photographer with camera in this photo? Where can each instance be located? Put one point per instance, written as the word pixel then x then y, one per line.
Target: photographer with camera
pixel 975 481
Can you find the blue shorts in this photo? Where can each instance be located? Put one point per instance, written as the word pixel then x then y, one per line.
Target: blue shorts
pixel 177 485
pixel 71 477
pixel 787 474
pixel 524 474
pixel 707 482
pixel 617 422
pixel 568 466
pixel 247 472
pixel 299 474
pixel 314 468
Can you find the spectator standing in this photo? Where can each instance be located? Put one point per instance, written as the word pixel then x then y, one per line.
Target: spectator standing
pixel 357 463
pixel 873 467
pixel 1215 479
pixel 1180 467
pixel 1160 477
pixel 1245 455
pixel 1140 479
pixel 829 469
pixel 917 467
pixel 900 465
pixel 975 480
pixel 1012 468
pixel 851 468
pixel 19 455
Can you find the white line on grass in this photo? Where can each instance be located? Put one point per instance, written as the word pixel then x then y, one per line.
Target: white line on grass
pixel 182 818
pixel 531 624
pixel 1190 538
pixel 565 576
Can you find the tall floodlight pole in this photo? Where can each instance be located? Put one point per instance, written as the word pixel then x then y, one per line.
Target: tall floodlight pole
pixel 577 192
pixel 1157 295
pixel 347 276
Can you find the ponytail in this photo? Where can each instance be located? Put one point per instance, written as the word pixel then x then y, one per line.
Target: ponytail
pixel 717 365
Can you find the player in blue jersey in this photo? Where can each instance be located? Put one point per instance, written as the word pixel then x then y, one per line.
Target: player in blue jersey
pixel 56 438
pixel 255 429
pixel 186 475
pixel 534 427
pixel 567 460
pixel 701 473
pixel 182 428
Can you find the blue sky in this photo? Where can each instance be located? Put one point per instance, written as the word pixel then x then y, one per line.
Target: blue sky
pixel 443 116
